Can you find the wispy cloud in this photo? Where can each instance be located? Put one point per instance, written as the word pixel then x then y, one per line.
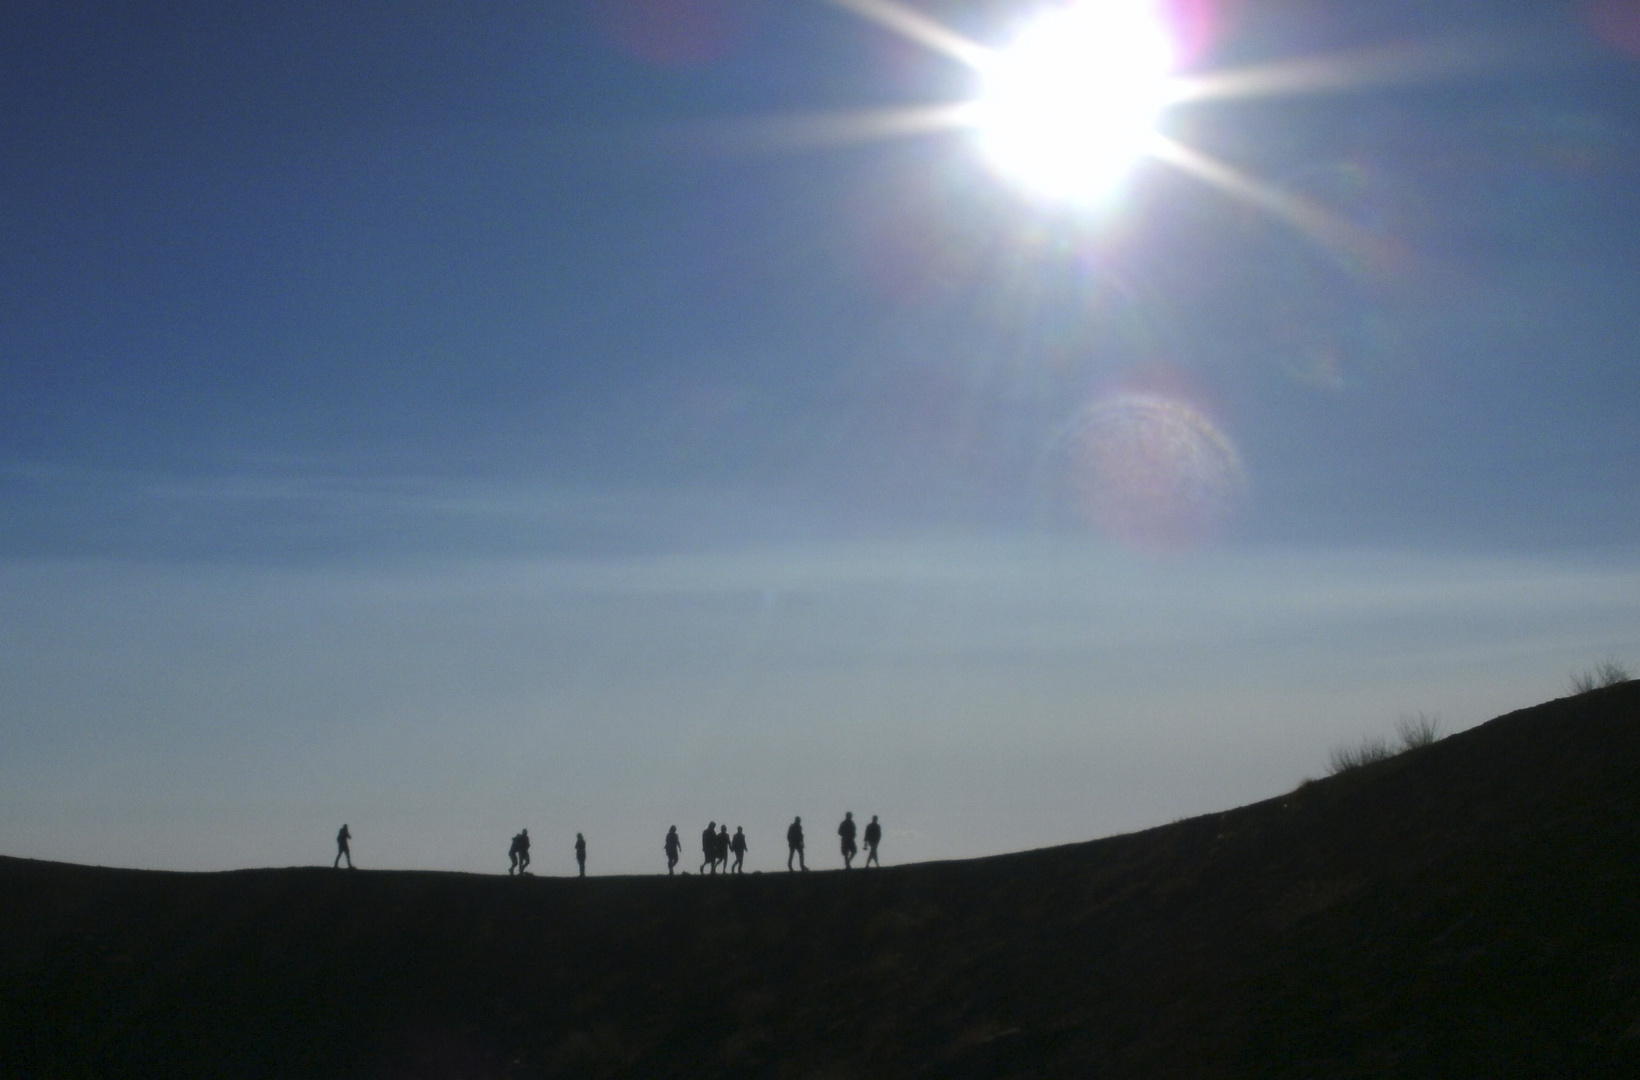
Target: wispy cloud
pixel 318 511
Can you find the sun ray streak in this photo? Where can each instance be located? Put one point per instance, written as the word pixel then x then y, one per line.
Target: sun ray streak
pixel 917 27
pixel 820 130
pixel 1309 218
pixel 1395 65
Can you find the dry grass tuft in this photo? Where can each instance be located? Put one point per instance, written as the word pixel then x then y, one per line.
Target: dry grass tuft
pixel 1411 731
pixel 1609 672
pixel 1417 729
pixel 1344 758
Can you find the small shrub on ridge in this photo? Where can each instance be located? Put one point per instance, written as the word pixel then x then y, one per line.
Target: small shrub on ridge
pixel 1609 672
pixel 1417 729
pixel 1344 758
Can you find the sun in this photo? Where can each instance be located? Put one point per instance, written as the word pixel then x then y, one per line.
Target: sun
pixel 1072 103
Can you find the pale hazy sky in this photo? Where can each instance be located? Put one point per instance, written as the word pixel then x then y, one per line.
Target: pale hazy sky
pixel 462 417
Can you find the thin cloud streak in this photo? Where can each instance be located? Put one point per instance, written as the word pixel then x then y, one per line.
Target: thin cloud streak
pixel 347 492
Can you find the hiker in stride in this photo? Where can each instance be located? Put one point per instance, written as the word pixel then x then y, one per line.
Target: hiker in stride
pixel 737 844
pixel 874 836
pixel 674 848
pixel 794 843
pixel 723 848
pixel 581 854
pixel 342 850
pixel 846 831
pixel 708 848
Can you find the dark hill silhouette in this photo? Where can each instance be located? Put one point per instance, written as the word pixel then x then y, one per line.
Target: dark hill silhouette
pixel 1467 910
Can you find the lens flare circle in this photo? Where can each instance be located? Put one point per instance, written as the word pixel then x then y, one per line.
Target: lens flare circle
pixel 1072 103
pixel 1152 471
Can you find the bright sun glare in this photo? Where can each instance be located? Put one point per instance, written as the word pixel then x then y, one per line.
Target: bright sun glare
pixel 1072 103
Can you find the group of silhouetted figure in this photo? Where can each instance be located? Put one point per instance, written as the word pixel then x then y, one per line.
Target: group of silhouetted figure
pixel 716 845
pixel 519 853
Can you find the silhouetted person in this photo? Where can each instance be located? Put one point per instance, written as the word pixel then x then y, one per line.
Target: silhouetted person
pixel 342 850
pixel 523 850
pixel 674 847
pixel 581 853
pixel 794 843
pixel 737 844
pixel 846 831
pixel 512 854
pixel 708 848
pixel 874 836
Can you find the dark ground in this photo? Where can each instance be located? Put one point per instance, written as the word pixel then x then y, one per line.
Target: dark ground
pixel 1469 910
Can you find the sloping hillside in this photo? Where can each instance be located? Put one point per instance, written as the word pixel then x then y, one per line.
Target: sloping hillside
pixel 1471 909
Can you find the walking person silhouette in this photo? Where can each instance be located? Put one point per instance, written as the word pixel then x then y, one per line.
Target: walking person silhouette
pixel 846 831
pixel 342 850
pixel 708 848
pixel 722 851
pixel 581 854
pixel 737 844
pixel 674 847
pixel 512 856
pixel 874 836
pixel 523 849
pixel 794 843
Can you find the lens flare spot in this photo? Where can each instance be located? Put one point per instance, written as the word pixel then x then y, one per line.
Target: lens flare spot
pixel 1153 471
pixel 675 33
pixel 1317 365
pixel 1197 24
pixel 1616 22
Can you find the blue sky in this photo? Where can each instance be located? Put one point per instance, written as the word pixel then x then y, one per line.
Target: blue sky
pixel 448 418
